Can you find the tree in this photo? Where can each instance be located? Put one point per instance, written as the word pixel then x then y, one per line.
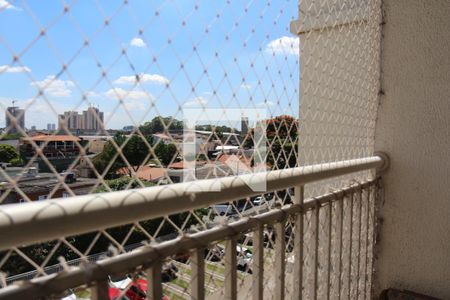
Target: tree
pixel 105 158
pixel 282 136
pixel 282 141
pixel 222 128
pixel 135 151
pixel 11 136
pixel 8 153
pixel 218 132
pixel 165 152
pixel 121 184
pixel 158 124
pixel 17 162
pixel 282 126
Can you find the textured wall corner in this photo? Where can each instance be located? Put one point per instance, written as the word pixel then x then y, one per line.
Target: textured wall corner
pixel 413 127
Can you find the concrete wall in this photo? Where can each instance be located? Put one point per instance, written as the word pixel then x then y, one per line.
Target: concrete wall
pixel 413 127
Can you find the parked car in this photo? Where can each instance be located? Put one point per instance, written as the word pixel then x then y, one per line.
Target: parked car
pixel 137 290
pixel 69 177
pixel 134 291
pixel 182 257
pixel 169 272
pixel 214 253
pixel 244 259
pixel 244 256
pixel 120 282
pixel 224 209
pixel 259 201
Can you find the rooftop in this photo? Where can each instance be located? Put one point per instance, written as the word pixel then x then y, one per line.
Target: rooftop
pixel 52 138
pixel 146 173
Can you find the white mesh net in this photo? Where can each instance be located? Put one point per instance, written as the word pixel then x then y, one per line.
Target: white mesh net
pixel 95 96
pixel 340 43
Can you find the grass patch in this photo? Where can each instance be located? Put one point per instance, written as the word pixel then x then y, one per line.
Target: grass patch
pixel 183 284
pixel 82 292
pixel 215 268
pixel 172 295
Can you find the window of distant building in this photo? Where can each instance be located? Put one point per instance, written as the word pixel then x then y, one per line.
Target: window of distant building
pixel 42 197
pixel 65 195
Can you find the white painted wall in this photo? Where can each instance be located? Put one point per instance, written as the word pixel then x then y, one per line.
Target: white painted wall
pixel 339 68
pixel 413 127
pixel 339 64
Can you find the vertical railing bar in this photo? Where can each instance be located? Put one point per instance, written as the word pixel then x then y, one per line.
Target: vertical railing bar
pixel 280 262
pixel 330 216
pixel 350 247
pixel 198 274
pixel 154 281
pixel 359 243
pixel 230 269
pixel 298 245
pixel 316 249
pixel 366 272
pixel 258 262
pixel 100 290
pixel 341 235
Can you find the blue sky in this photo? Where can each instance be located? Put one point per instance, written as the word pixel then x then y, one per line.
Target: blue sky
pixel 214 54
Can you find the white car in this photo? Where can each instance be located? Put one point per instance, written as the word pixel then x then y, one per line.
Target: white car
pixel 121 283
pixel 259 201
pixel 244 257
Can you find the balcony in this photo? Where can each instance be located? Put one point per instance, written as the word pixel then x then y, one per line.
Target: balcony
pixel 264 150
pixel 342 254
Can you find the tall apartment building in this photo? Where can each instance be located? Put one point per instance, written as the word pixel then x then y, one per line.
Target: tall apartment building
pixel 244 126
pixel 93 119
pixel 90 119
pixel 15 118
pixel 51 127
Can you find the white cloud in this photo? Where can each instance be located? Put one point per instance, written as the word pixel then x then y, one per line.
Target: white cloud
pixel 137 42
pixel 122 94
pixel 9 69
pixel 198 101
pixel 143 78
pixel 92 94
pixel 54 87
pixel 285 46
pixel 131 99
pixel 246 86
pixel 6 5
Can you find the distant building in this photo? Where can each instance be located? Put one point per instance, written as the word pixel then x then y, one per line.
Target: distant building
pixel 179 172
pixel 128 128
pixel 51 127
pixel 164 138
pixel 53 146
pixel 15 119
pixel 147 173
pixel 91 119
pixel 33 128
pixel 84 169
pixel 40 186
pixel 244 126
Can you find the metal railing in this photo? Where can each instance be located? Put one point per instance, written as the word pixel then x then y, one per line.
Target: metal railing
pixel 339 227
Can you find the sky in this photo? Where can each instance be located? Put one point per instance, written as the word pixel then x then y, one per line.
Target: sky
pixel 137 59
